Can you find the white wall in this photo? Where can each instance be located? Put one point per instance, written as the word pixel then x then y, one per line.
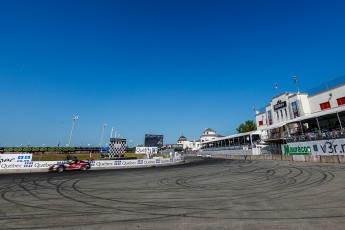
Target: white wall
pixel 317 99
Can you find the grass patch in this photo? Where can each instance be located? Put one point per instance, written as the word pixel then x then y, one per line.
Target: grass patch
pixel 62 156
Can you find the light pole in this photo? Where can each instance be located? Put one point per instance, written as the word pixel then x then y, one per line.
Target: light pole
pixel 75 118
pixel 100 144
pixel 111 133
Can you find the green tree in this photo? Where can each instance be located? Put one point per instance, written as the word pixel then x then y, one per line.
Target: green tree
pixel 246 127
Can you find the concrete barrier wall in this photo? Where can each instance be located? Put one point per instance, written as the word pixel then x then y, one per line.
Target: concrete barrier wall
pixel 315 159
pixel 341 159
pixel 277 157
pixel 287 158
pixel 329 159
pixel 298 158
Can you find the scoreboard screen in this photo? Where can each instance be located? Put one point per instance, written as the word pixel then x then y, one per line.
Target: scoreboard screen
pixel 153 140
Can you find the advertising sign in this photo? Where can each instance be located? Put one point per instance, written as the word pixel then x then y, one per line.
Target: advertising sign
pixel 11 165
pixel 8 165
pixel 146 150
pixel 322 147
pixel 301 149
pixel 269 116
pixel 15 157
pixel 294 109
pixel 279 105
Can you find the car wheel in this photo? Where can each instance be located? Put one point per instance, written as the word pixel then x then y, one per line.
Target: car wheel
pixel 60 169
pixel 83 168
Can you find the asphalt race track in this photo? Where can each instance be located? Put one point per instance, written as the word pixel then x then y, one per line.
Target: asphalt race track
pixel 202 194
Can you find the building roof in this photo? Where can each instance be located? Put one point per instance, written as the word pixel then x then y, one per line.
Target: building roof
pixel 209 130
pixel 182 138
pixel 236 135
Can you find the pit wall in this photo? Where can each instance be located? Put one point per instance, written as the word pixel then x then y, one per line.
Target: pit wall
pixel 32 166
pixel 299 158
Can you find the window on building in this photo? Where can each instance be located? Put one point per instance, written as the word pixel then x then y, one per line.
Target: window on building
pixel 281 113
pixel 277 115
pixel 325 105
pixel 285 113
pixel 341 101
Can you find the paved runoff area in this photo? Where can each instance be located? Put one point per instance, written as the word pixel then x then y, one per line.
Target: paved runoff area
pixel 201 194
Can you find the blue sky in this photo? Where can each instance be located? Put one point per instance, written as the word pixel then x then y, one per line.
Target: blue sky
pixel 157 67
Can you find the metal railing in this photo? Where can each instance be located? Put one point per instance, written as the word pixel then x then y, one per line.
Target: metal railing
pixel 336 134
pixel 309 136
pixel 326 86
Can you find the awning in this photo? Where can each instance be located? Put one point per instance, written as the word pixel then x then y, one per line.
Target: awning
pixel 274 126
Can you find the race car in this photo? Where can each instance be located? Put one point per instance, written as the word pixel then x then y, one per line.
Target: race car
pixel 70 166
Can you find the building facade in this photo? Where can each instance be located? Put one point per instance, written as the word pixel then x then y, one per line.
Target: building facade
pixel 190 145
pixel 209 135
pixel 315 115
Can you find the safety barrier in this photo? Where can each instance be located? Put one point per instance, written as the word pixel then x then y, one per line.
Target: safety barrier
pixel 329 159
pixel 287 158
pixel 313 158
pixel 341 159
pixel 277 157
pixel 298 158
pixel 36 165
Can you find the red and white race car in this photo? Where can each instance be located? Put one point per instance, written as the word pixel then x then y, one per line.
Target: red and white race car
pixel 70 166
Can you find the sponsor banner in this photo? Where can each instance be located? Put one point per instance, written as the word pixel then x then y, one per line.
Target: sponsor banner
pixel 299 149
pixel 149 162
pixel 129 163
pixel 166 160
pixel 41 164
pixel 15 157
pixel 101 164
pixel 321 147
pixel 94 164
pixel 146 150
pixel 294 109
pixel 269 116
pixel 11 165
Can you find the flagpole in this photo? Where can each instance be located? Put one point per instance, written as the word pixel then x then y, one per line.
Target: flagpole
pixel 295 83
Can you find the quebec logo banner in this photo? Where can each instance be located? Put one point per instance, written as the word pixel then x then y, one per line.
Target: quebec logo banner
pixel 28 164
pixel 15 157
pixel 117 163
pixel 24 158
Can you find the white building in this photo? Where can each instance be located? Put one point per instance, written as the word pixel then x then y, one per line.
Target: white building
pixel 319 112
pixel 192 145
pixel 209 135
